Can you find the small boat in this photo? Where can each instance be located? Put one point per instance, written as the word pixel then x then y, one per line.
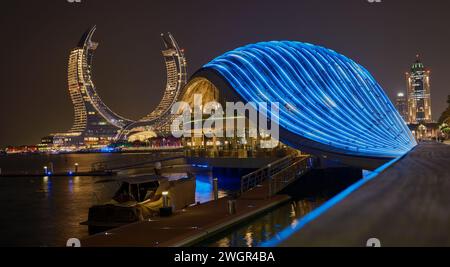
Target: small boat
pixel 140 198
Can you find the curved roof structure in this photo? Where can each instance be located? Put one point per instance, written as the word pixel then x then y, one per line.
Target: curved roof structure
pixel 329 104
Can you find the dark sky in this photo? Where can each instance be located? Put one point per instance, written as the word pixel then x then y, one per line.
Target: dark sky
pixel 37 36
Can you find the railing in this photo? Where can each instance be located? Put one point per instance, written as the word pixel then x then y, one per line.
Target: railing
pixel 285 177
pixel 279 173
pixel 119 164
pixel 257 177
pixel 234 153
pixel 146 163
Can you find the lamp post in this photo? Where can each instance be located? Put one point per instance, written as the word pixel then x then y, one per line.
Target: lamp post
pixel 45 170
pixel 165 195
pixel 216 189
pixel 166 210
pixel 51 167
pixel 76 167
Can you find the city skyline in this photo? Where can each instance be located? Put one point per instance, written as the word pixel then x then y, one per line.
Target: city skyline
pixel 247 124
pixel 128 66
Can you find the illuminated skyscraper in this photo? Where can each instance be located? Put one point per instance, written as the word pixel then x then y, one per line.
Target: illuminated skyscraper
pixel 94 123
pixel 402 106
pixel 419 97
pixel 160 119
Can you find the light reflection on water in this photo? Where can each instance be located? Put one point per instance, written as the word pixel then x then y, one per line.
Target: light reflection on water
pixel 205 191
pixel 265 227
pixel 47 211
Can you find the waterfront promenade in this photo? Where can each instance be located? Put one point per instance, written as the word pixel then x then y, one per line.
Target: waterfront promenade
pixel 406 205
pixel 189 226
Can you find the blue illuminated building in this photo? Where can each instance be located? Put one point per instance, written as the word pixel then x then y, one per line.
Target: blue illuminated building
pixel 330 106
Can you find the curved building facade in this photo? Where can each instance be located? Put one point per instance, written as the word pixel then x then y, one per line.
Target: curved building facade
pixel 81 83
pixel 330 106
pixel 160 119
pixel 94 121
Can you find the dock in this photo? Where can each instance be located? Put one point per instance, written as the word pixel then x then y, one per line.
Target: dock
pixel 258 194
pixel 60 174
pixel 107 168
pixel 190 226
pixel 407 204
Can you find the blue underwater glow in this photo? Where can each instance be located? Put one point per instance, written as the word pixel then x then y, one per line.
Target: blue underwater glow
pixel 107 149
pixel 324 96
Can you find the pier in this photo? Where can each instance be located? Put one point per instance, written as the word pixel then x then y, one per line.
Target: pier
pixel 401 204
pixel 59 174
pixel 197 223
pixel 190 226
pixel 106 168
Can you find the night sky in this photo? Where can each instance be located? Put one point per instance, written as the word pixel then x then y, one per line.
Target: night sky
pixel 37 36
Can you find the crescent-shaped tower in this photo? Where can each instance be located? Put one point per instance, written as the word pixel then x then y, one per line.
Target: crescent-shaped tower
pixel 94 121
pixel 160 119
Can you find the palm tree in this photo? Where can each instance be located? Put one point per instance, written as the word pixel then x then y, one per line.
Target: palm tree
pixel 445 129
pixel 446 114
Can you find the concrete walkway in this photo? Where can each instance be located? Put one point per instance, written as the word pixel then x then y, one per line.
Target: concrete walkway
pixel 187 227
pixel 406 205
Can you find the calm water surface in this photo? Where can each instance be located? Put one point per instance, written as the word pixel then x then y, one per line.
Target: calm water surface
pixel 265 227
pixel 256 231
pixel 46 211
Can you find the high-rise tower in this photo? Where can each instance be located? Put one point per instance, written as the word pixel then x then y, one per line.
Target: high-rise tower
pixel 94 122
pixel 402 106
pixel 160 119
pixel 419 95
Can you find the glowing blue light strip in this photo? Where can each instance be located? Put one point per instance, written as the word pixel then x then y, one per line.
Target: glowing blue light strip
pixel 332 100
pixel 334 119
pixel 286 233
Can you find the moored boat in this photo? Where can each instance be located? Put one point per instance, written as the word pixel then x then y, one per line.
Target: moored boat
pixel 140 198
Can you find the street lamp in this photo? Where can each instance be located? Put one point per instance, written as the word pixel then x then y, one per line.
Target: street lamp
pixel 216 188
pixel 166 210
pixel 165 195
